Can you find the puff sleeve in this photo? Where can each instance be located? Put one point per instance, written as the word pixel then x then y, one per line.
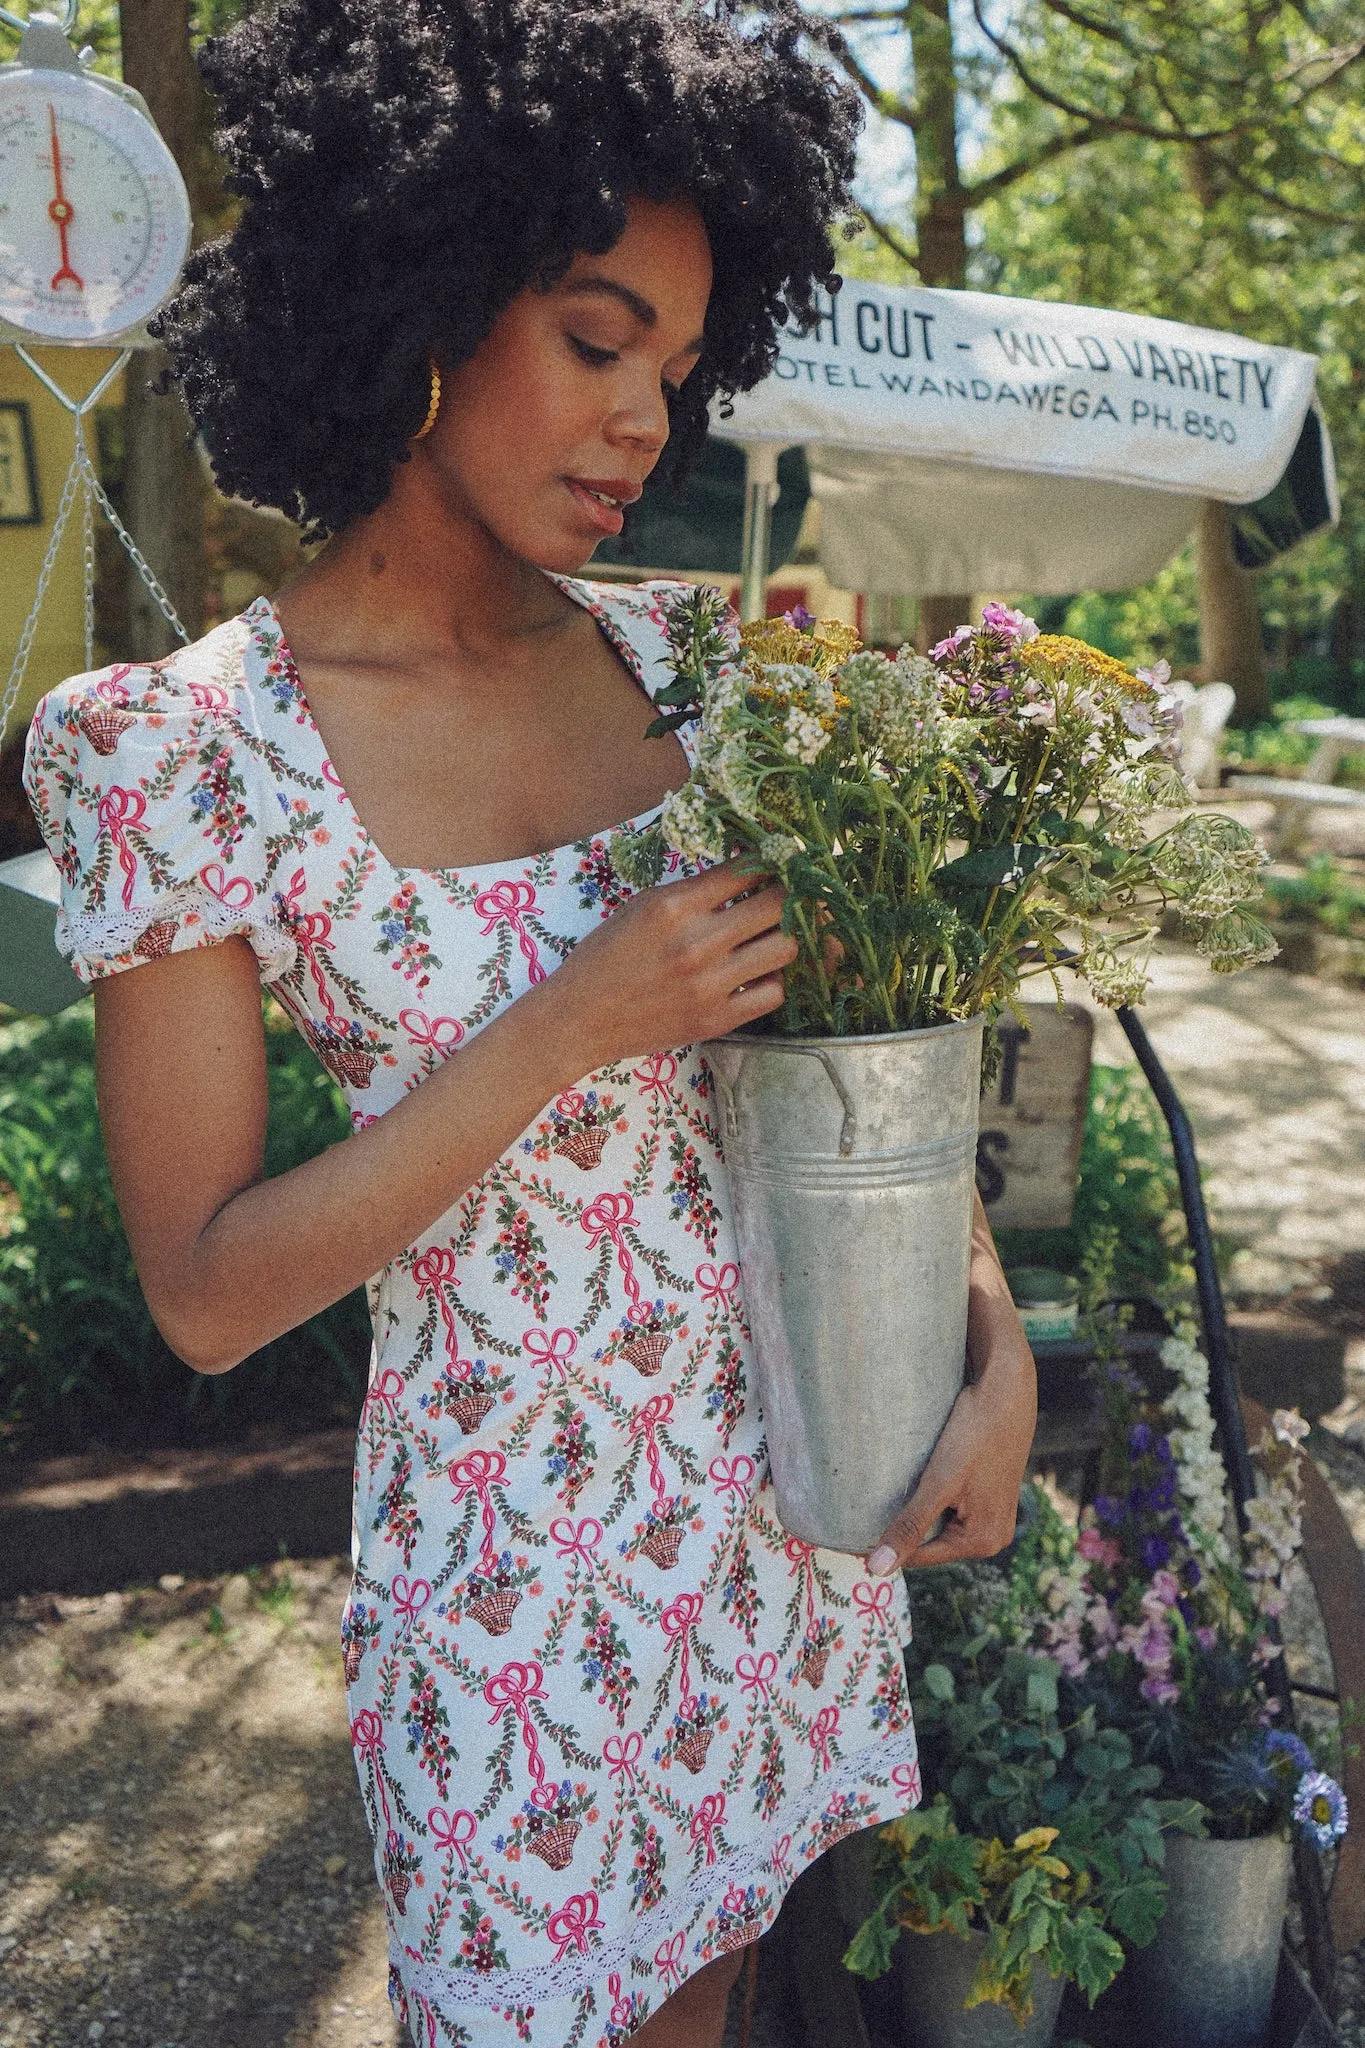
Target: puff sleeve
pixel 153 792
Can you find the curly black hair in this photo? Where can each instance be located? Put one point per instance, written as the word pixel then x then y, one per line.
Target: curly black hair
pixel 410 166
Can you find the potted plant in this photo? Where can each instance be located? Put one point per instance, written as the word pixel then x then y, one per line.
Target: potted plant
pixel 1043 1842
pixel 1163 1627
pixel 943 827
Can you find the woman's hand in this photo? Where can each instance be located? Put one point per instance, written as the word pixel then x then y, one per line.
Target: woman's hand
pixel 674 965
pixel 974 1474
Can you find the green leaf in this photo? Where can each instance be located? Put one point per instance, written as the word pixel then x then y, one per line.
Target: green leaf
pixel 1042 1686
pixel 938 1681
pixel 869 1953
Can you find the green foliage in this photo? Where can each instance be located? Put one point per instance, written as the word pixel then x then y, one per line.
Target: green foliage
pixel 1085 1833
pixel 1126 1182
pixel 80 1357
pixel 1325 894
pixel 1272 747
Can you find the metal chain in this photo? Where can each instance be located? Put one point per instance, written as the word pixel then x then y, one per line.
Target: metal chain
pixel 16 674
pixel 84 477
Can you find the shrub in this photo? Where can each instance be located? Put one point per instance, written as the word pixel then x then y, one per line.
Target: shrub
pixel 81 1360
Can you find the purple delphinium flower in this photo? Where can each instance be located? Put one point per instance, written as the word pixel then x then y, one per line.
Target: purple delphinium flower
pixel 799 618
pixel 1109 1510
pixel 1191 1573
pixel 1320 1808
pixel 1140 1438
pixel 1155 1552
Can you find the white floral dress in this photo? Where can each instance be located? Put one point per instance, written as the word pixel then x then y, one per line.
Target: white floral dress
pixel 604 1710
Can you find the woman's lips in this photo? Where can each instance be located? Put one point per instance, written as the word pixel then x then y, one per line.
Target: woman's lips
pixel 604 517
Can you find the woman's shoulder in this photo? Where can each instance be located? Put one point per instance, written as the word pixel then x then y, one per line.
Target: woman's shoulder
pixel 101 705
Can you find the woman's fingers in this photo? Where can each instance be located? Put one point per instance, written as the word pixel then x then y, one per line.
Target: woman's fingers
pixel 961 1483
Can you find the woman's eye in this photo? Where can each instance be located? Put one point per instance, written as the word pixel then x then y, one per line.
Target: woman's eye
pixel 587 353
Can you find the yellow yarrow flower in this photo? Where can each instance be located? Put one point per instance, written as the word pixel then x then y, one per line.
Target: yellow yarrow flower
pixel 772 641
pixel 1058 651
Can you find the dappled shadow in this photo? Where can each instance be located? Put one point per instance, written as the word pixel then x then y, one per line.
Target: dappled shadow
pixel 187 1857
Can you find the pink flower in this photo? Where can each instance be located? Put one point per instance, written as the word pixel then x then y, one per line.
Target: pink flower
pixel 1103 1626
pixel 1206 1637
pixel 960 638
pixel 998 618
pixel 1162 1692
pixel 1097 1549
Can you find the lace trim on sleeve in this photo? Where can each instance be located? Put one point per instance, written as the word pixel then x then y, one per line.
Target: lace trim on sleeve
pixel 103 942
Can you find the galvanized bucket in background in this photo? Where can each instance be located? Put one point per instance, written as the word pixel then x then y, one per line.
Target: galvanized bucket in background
pixel 851 1164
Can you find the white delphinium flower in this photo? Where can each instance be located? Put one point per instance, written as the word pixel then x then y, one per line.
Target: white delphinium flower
pixel 723 700
pixel 690 823
pixel 1201 1476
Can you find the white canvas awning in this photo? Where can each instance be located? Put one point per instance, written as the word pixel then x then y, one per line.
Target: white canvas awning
pixel 960 441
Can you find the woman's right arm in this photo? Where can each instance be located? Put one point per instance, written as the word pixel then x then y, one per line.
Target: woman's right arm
pixel 229 1260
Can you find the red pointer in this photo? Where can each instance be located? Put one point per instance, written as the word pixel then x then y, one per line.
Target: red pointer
pixel 62 212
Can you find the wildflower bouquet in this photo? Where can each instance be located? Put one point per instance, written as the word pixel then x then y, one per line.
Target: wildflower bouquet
pixel 1085 1834
pixel 953 823
pixel 1161 1629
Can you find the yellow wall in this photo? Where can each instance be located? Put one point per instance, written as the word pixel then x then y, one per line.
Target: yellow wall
pixel 59 649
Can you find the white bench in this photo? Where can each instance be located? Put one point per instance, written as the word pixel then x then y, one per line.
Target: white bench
pixel 1293 801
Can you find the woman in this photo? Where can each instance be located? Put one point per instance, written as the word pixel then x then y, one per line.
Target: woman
pixel 493 252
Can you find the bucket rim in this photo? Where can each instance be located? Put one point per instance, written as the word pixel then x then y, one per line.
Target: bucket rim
pixel 831 1043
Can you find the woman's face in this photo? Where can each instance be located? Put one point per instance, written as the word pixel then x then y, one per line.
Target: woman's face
pixel 554 424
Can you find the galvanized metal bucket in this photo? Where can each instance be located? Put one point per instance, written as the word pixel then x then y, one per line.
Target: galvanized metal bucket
pixel 851 1164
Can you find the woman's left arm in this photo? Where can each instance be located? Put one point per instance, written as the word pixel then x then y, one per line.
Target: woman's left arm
pixel 974 1474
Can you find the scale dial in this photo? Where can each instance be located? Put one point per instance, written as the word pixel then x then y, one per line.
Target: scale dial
pixel 94 217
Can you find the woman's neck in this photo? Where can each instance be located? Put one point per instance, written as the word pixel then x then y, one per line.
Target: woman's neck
pixel 418 577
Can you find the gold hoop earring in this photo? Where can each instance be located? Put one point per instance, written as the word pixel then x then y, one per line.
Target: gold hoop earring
pixel 434 407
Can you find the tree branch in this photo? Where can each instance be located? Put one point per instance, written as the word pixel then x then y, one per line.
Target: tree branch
pixel 892 240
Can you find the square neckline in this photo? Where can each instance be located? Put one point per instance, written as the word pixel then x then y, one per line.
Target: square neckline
pixel 575 588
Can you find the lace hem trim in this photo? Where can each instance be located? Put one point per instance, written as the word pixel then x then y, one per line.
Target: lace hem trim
pixel 96 941
pixel 652 1932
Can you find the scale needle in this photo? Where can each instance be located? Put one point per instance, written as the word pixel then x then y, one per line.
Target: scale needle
pixel 62 212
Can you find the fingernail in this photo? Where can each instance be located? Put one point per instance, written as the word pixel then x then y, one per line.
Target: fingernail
pixel 882 1560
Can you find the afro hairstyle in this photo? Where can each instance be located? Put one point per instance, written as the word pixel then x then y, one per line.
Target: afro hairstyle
pixel 408 167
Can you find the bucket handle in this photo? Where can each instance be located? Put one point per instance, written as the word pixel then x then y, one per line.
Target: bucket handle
pixel 848 1132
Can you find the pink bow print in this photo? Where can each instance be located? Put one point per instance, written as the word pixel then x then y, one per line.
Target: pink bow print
pixel 704 1822
pixel 113 689
pixel 718 1283
pixel 576 1539
pixel 608 1217
pixel 553 1351
pixel 780 1855
pixel 826 1724
pixel 410 1599
pixel 207 696
pixel 453 1831
pixel 800 1554
pixel 367 1732
pixel 677 1622
pixel 756 1675
pixel 384 1393
pixel 666 1958
pixel 434 1271
pixel 237 894
pixel 576 1919
pixel 622 1755
pixel 475 1473
pixel 622 2009
pixel 906 1779
pixel 310 930
pixel 515 1686
pixel 657 1072
pixel 732 1475
pixel 121 811
pixel 510 903
pixel 440 1035
pixel 645 1422
pixel 873 1601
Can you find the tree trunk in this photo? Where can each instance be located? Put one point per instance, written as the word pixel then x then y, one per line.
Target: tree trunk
pixel 1230 644
pixel 164 484
pixel 940 616
pixel 940 215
